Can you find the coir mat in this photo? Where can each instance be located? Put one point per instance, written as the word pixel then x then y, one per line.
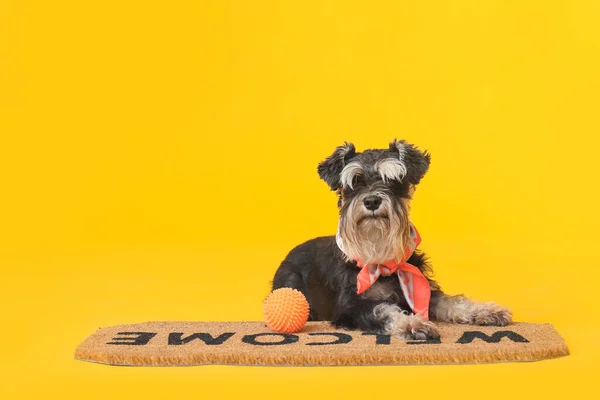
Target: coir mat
pixel 253 343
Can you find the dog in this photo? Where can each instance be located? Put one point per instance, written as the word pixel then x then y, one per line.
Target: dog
pixel 374 190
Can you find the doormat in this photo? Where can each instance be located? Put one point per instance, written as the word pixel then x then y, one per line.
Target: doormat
pixel 253 343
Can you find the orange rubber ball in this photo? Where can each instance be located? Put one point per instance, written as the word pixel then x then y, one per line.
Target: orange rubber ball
pixel 286 310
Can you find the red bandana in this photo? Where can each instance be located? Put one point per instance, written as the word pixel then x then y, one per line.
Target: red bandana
pixel 415 286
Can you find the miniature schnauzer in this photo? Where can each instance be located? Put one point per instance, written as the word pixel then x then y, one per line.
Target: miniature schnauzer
pixel 375 238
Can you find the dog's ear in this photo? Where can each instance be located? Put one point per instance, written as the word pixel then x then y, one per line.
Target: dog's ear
pixel 416 161
pixel 331 168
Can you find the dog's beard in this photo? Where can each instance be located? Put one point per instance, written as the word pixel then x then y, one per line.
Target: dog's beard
pixel 374 237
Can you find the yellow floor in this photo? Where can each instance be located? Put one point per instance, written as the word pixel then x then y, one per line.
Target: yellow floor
pixel 157 161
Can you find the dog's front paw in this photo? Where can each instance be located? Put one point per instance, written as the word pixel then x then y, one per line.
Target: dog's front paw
pixel 492 314
pixel 404 326
pixel 415 327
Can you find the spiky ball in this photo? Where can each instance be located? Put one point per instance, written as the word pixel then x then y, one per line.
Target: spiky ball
pixel 286 310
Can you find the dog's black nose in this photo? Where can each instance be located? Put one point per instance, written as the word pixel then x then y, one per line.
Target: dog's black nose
pixel 372 203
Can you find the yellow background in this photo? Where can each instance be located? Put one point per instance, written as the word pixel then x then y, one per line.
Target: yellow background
pixel 158 160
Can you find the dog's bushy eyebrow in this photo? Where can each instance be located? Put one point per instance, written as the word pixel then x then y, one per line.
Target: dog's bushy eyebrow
pixel 351 170
pixel 391 169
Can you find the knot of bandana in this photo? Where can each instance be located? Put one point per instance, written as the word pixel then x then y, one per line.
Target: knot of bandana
pixel 415 286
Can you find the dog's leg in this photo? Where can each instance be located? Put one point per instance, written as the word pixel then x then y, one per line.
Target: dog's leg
pixel 353 312
pixel 401 324
pixel 461 310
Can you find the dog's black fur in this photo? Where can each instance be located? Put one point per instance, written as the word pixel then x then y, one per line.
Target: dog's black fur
pixel 320 270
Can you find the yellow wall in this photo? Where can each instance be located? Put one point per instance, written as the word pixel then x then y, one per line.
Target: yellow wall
pixel 158 160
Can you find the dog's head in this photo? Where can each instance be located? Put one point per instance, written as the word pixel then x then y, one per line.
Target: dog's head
pixel 375 188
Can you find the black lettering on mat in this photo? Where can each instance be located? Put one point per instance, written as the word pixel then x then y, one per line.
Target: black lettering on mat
pixel 141 339
pixel 379 339
pixel 286 339
pixel 176 338
pixel 341 338
pixel 469 336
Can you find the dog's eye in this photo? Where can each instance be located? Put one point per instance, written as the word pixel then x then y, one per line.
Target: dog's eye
pixel 357 180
